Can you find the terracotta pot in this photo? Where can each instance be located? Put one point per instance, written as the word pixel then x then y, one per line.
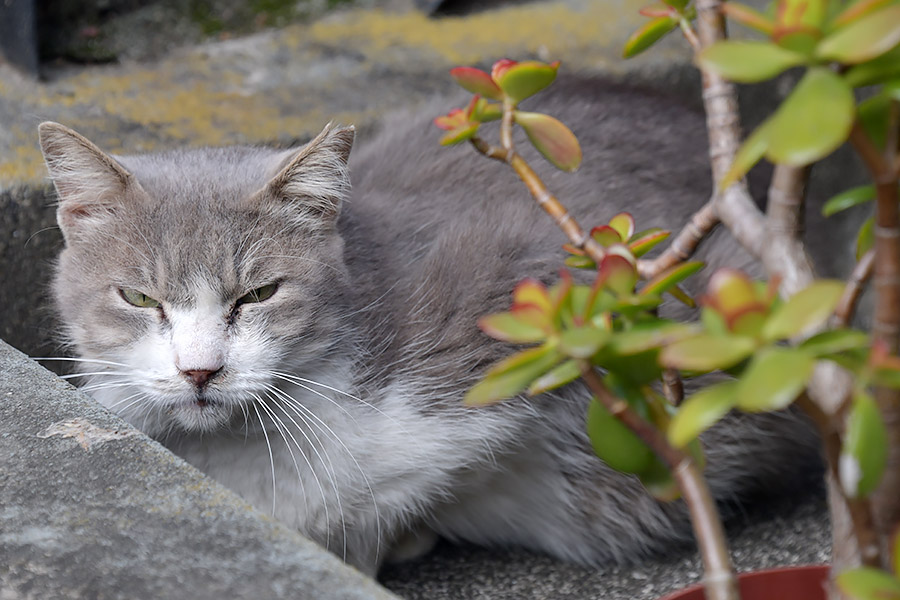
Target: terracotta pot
pixel 786 583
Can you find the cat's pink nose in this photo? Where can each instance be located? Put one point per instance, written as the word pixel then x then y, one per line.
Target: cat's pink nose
pixel 201 377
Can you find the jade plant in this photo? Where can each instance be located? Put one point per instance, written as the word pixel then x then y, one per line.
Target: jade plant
pixel 783 341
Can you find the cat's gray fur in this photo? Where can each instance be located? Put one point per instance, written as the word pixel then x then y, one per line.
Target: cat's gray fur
pixel 376 311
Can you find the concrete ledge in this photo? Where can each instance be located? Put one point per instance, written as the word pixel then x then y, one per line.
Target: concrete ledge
pixel 92 508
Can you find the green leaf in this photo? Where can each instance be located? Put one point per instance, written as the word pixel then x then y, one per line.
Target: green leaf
pixel 512 375
pixel 659 481
pixel 580 262
pixel 856 10
pixel 559 376
pixel 477 82
pixel 623 223
pixel 773 379
pixel 835 341
pixel 813 121
pixel 526 78
pixel 506 327
pixel 642 243
pixel 648 34
pixel 748 17
pixel 753 149
pixel 616 273
pixel 458 135
pixel 582 342
pixel 613 442
pixel 877 70
pixel 701 411
pixel 874 116
pixel 895 554
pixel 864 454
pixel 606 236
pixel 648 336
pixel 867 583
pixel 865 239
pixel 848 199
pixel 552 139
pixel 747 61
pixel 532 291
pixel 807 309
pixel 707 352
pixel 863 39
pixel 671 277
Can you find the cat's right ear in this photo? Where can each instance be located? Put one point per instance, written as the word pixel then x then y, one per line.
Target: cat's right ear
pixel 89 183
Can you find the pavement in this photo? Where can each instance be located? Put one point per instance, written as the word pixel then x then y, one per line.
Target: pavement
pixel 81 522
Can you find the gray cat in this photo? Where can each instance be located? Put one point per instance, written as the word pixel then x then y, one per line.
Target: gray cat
pixel 309 347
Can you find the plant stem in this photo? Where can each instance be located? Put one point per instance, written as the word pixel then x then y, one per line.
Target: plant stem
pixel 853 290
pixel 719 580
pixel 547 201
pixel 685 243
pixel 859 510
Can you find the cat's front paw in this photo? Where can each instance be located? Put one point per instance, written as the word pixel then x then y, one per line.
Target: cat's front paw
pixel 412 544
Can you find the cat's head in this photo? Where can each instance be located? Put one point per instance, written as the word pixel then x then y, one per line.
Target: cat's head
pixel 191 278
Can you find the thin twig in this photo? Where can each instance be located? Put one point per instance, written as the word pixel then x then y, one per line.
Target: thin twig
pixel 853 290
pixel 673 386
pixel 547 201
pixel 719 580
pixel 685 243
pixel 860 510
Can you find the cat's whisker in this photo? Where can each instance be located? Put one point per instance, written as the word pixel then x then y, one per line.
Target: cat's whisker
pixel 268 446
pixel 326 462
pixel 298 380
pixel 83 360
pixel 326 465
pixel 94 374
pixel 297 406
pixel 293 458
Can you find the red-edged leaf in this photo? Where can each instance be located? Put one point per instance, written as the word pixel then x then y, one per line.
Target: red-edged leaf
pixel 641 243
pixel 532 291
pixel 616 273
pixel 460 134
pixel 524 79
pixel 451 120
pixel 552 139
pixel 507 327
pixel 730 291
pixel 648 34
pixel 533 315
pixel 606 235
pixel 624 224
pixel 748 17
pixel 477 82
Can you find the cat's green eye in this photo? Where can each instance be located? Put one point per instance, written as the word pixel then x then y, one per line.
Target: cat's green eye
pixel 136 298
pixel 259 294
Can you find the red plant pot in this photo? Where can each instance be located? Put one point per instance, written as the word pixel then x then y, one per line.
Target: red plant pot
pixel 786 583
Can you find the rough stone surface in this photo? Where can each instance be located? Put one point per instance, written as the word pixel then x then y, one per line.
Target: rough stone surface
pixel 91 508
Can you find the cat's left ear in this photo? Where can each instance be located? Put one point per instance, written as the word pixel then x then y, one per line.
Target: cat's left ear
pixel 314 179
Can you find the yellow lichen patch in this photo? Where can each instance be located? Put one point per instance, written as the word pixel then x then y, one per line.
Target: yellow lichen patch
pixel 554 27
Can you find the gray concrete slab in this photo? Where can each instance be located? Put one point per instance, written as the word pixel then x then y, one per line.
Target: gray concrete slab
pixel 92 508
